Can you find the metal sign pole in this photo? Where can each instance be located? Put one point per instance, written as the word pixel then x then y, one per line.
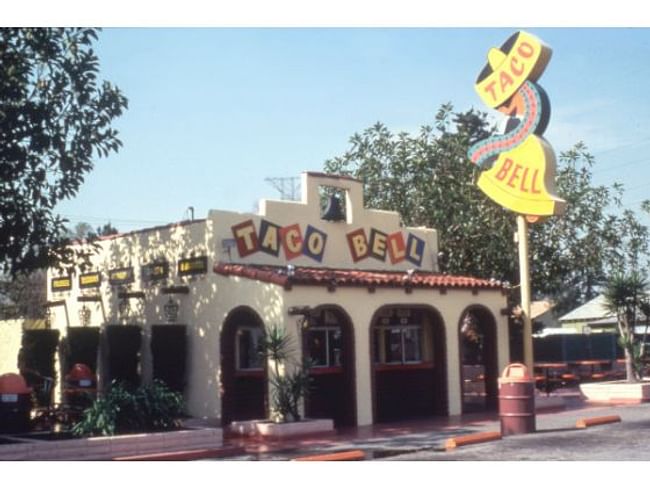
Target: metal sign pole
pixel 524 273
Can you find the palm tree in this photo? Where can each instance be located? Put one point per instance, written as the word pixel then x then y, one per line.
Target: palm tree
pixel 625 295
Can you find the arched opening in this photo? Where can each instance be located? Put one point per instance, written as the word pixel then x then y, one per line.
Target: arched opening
pixel 328 342
pixel 478 359
pixel 409 363
pixel 243 371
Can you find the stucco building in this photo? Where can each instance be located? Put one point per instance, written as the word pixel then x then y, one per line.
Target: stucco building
pixel 390 336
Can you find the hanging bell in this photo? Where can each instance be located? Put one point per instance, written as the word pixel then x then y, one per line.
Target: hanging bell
pixel 333 212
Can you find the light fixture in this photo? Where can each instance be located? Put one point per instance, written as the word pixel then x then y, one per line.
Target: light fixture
pixel 171 310
pixel 48 317
pixel 84 316
pixel 123 307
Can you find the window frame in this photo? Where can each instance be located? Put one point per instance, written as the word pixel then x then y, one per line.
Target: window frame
pixel 382 361
pixel 260 334
pixel 327 329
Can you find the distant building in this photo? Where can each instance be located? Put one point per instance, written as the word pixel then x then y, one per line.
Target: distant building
pixel 593 317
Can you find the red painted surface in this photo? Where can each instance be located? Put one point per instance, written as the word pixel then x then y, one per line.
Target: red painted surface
pixel 13 384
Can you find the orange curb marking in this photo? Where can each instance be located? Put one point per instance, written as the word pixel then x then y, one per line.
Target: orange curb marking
pixel 457 441
pixel 586 422
pixel 181 455
pixel 338 456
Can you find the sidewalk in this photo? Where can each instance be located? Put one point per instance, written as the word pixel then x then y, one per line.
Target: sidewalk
pixel 405 439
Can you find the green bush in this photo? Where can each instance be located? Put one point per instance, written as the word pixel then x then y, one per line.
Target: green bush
pixel 148 408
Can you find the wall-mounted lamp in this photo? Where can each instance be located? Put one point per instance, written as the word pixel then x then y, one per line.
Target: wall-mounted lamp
pixel 299 310
pixel 171 310
pixel 123 307
pixel 84 316
pixel 48 317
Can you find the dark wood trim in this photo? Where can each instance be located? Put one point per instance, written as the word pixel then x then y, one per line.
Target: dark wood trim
pixel 419 366
pixel 250 373
pixel 175 290
pixel 325 370
pixel 130 294
pixel 88 299
pixel 52 304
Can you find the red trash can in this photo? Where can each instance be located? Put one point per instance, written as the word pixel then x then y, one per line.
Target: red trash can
pixel 516 400
pixel 80 386
pixel 15 404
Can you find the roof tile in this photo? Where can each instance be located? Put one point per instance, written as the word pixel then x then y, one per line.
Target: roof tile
pixel 296 276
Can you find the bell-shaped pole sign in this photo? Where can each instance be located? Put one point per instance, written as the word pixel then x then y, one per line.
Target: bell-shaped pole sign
pixel 518 166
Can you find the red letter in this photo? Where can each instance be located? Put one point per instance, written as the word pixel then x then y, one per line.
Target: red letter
pixel 358 244
pixel 525 50
pixel 514 175
pixel 513 67
pixel 396 247
pixel 523 181
pixel 291 241
pixel 246 238
pixel 532 186
pixel 503 172
pixel 490 89
pixel 505 80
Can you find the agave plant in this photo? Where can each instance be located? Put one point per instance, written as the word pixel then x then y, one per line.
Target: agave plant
pixel 289 387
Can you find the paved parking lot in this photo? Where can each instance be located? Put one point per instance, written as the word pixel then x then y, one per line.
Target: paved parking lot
pixel 558 439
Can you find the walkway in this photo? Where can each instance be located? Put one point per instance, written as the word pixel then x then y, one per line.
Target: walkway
pixel 387 440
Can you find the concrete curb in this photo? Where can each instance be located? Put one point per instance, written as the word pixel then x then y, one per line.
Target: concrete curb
pixel 596 421
pixel 457 441
pixel 338 456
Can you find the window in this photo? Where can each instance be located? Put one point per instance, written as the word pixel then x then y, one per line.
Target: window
pixel 247 348
pixel 324 346
pixel 399 338
pixel 401 344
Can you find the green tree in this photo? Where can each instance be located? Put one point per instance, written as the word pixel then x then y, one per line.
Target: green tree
pixel 429 180
pixel 626 296
pixel 55 118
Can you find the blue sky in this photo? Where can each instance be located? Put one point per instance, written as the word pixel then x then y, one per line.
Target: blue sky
pixel 215 111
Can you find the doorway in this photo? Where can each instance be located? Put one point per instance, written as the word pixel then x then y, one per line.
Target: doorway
pixel 329 345
pixel 478 357
pixel 409 363
pixel 243 371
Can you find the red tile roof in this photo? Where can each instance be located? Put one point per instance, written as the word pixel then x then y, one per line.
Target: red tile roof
pixel 319 276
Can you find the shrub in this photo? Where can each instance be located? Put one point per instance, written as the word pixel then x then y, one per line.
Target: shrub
pixel 148 408
pixel 288 387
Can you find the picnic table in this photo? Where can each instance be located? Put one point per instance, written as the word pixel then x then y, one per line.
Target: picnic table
pixel 550 372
